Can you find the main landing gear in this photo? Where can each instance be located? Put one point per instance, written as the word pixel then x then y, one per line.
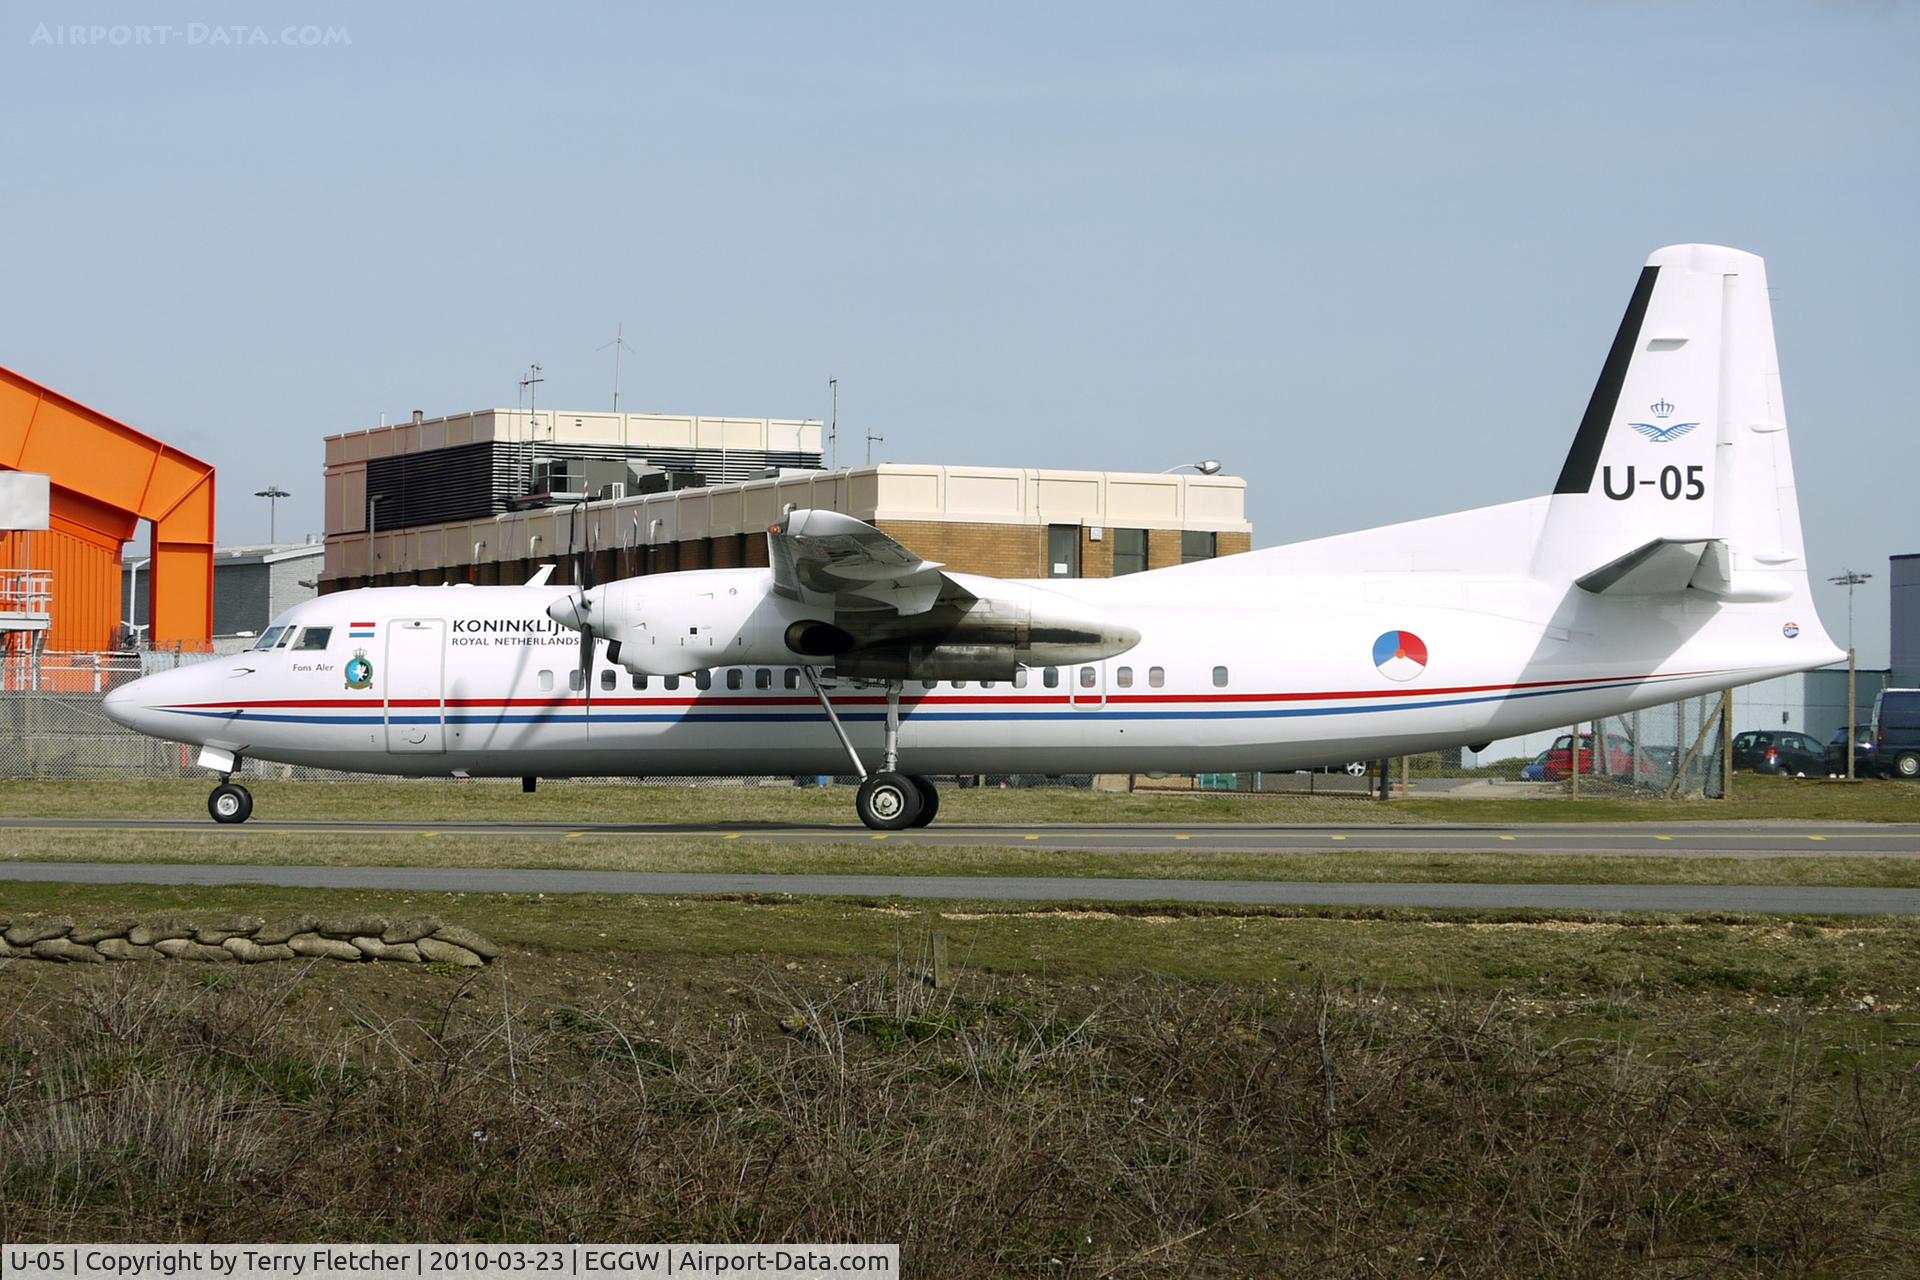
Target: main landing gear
pixel 230 802
pixel 888 800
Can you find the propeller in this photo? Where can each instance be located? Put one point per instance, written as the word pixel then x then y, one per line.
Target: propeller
pixel 576 608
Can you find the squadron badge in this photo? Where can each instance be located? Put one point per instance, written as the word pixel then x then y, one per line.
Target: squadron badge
pixel 359 671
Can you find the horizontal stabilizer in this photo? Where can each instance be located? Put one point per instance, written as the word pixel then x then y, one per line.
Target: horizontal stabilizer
pixel 1662 567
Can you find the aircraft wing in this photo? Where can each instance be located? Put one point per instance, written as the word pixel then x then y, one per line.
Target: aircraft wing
pixel 824 557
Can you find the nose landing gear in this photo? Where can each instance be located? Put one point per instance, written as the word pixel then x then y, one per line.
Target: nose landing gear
pixel 230 802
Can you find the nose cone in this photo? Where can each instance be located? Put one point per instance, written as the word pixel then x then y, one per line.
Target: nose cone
pixel 571 610
pixel 120 704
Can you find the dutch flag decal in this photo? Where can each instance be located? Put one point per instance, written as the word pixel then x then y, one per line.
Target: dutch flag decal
pixel 360 630
pixel 1400 655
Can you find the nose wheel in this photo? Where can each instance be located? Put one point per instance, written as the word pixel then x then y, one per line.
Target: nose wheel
pixel 230 802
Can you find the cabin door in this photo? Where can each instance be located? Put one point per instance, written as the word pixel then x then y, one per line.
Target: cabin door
pixel 416 668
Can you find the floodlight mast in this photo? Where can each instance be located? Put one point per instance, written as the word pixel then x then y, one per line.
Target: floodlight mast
pixel 272 493
pixel 1849 579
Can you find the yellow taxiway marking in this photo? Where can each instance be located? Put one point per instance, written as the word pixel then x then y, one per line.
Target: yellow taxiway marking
pixel 1509 837
pixel 1663 837
pixel 1029 837
pixel 1816 837
pixel 735 835
pixel 575 835
pixel 1183 837
pixel 428 835
pixel 881 836
pixel 1339 837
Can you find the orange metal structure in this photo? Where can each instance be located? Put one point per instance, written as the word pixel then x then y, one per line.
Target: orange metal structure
pixel 106 478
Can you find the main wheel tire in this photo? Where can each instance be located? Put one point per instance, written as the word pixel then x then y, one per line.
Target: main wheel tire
pixel 888 801
pixel 230 802
pixel 1356 768
pixel 929 801
pixel 1906 765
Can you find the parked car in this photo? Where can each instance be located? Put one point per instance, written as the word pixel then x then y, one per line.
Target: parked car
pixel 1864 765
pixel 1896 732
pixel 1783 752
pixel 1537 770
pixel 1619 759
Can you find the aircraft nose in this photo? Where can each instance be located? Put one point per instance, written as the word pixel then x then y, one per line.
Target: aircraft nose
pixel 124 703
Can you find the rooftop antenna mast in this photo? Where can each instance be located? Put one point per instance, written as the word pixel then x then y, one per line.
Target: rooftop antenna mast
pixel 833 428
pixel 618 344
pixel 531 385
pixel 872 440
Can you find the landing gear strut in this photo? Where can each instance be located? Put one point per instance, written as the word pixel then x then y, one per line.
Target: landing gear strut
pixel 230 802
pixel 888 800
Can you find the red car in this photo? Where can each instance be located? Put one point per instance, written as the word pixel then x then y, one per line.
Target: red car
pixel 1619 761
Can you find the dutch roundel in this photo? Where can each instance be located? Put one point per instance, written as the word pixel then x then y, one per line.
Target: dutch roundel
pixel 1400 655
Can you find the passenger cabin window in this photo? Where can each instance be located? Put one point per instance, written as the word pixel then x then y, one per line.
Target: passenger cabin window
pixel 576 680
pixel 793 678
pixel 703 679
pixel 546 682
pixel 1219 677
pixel 313 639
pixel 763 678
pixel 1051 677
pixel 1020 678
pixel 1156 677
pixel 929 684
pixel 735 678
pixel 639 682
pixel 1123 677
pixel 988 684
pixel 1086 677
pixel 609 680
pixel 268 638
pixel 671 682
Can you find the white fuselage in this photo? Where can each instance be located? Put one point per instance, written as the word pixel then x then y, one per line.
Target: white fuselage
pixel 1231 672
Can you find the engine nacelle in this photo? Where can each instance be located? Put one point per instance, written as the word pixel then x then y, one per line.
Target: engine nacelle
pixel 677 623
pixel 672 624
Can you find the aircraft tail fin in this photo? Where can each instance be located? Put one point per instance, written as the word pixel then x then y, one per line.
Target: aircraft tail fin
pixel 1680 477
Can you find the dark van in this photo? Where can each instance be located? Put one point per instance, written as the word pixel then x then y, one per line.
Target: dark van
pixel 1896 732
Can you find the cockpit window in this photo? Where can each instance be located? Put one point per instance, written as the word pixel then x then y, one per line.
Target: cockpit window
pixel 314 638
pixel 286 639
pixel 268 638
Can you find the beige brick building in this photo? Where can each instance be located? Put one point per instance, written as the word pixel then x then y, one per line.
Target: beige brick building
pixel 1007 522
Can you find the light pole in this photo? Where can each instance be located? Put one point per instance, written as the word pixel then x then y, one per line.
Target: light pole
pixel 1210 467
pixel 1849 579
pixel 273 493
pixel 373 532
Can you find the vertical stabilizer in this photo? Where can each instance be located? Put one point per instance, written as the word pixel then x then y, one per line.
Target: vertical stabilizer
pixel 1685 437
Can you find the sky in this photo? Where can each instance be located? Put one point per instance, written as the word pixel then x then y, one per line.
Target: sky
pixel 1370 256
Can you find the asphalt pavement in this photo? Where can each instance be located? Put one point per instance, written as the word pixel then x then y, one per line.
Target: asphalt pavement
pixel 1669 839
pixel 1758 899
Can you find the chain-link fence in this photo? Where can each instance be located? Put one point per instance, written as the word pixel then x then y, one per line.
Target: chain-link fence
pixel 52 727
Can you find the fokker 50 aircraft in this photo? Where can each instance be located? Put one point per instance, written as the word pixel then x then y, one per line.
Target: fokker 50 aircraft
pixel 1667 562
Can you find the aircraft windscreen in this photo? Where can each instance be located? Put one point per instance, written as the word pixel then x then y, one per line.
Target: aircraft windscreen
pixel 268 638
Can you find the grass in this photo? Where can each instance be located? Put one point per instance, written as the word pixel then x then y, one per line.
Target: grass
pixel 1755 799
pixel 1096 1094
pixel 1558 954
pixel 900 856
